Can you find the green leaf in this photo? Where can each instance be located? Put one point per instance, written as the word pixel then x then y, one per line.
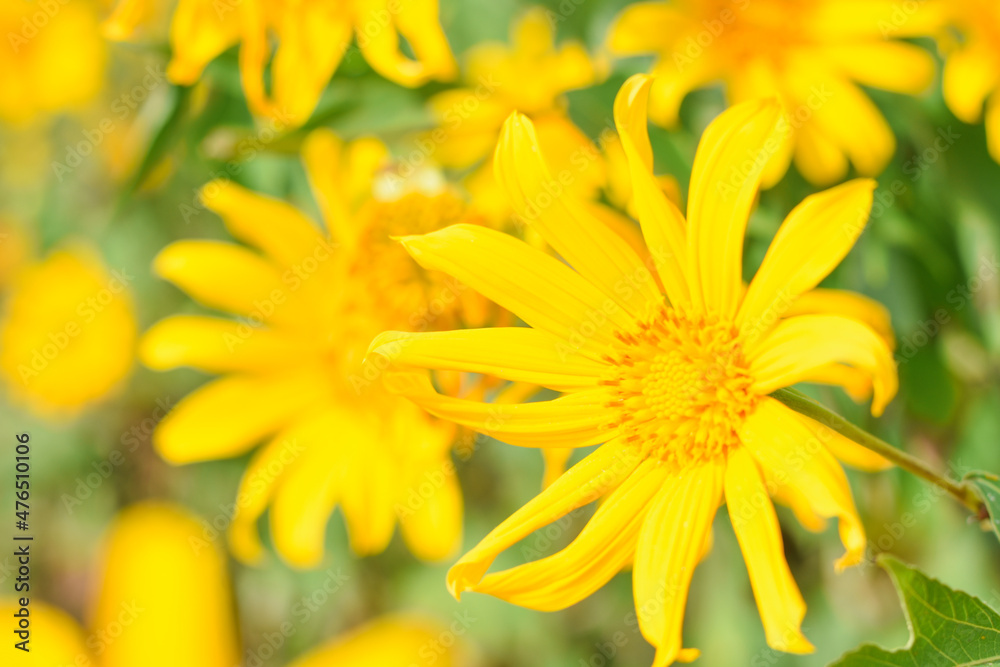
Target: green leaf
pixel 987 487
pixel 948 628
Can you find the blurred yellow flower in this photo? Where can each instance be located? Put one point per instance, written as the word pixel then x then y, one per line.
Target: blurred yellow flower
pixel 308 301
pixel 531 76
pixel 53 59
pixel 67 336
pixel 312 38
pixel 390 641
pixel 166 590
pixel 812 54
pixel 972 69
pixel 669 364
pixel 164 598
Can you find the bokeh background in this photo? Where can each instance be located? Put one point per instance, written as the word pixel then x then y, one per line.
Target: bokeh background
pixel 929 254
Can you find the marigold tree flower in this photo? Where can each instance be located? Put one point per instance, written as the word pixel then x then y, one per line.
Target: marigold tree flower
pixel 813 56
pixel 155 562
pixel 307 302
pixel 53 58
pixel 531 75
pixel 67 335
pixel 669 365
pixel 972 69
pixel 312 39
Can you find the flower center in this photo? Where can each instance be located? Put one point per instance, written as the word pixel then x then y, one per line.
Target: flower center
pixel 683 388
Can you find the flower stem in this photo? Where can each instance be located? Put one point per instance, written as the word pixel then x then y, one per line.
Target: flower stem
pixel 803 404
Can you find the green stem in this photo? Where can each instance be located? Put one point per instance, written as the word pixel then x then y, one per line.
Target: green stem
pixel 803 404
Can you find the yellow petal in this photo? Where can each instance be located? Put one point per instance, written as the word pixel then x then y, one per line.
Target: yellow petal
pixel 226 417
pixel 793 454
pixel 726 176
pixel 798 345
pixel 574 420
pixel 896 66
pixel 389 641
pixel 644 27
pixel 55 636
pixel 217 346
pixel 663 226
pixel 518 354
pixel 672 82
pixel 604 546
pixel 312 39
pixel 811 242
pixel 429 507
pixel 992 122
pixel 378 40
pixel 849 304
pixel 157 558
pixel 820 160
pixel 222 275
pixel 970 75
pixel 199 31
pixel 261 478
pixel 778 599
pixel 536 287
pixel 587 244
pixel 670 544
pixel 857 383
pixel 272 226
pixel 582 484
pixel 555 459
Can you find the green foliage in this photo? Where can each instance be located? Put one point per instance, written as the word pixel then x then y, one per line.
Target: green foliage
pixel 987 486
pixel 948 627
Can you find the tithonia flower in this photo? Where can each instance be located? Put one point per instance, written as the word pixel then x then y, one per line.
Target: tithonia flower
pixel 972 70
pixel 67 336
pixel 52 60
pixel 312 38
pixel 813 55
pixel 531 76
pixel 670 365
pixel 155 560
pixel 307 301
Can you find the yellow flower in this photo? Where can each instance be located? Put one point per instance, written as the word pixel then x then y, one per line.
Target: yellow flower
pixel 972 70
pixel 67 336
pixel 53 58
pixel 312 38
pixel 811 54
pixel 390 641
pixel 531 76
pixel 669 364
pixel 154 562
pixel 308 303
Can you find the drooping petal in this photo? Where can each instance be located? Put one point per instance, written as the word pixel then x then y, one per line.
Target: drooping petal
pixel 536 287
pixel 670 545
pixel 856 382
pixel 849 304
pixel 200 31
pixel 794 455
pixel 228 416
pixel 576 420
pixel 546 203
pixel 272 226
pixel 778 599
pixel 727 172
pixel 518 354
pixel 663 225
pixel 813 239
pixel 378 40
pixel 604 546
pixel 217 346
pixel 820 160
pixel 799 345
pixel 582 484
